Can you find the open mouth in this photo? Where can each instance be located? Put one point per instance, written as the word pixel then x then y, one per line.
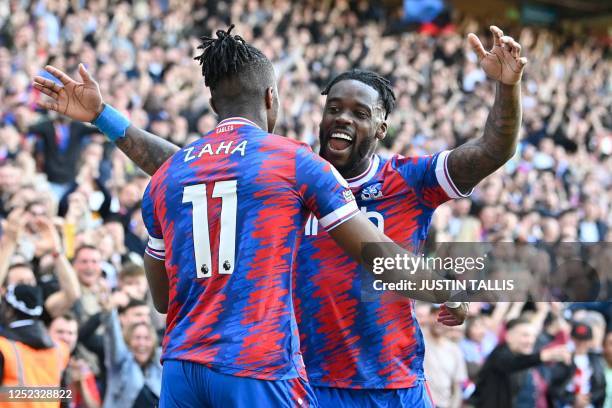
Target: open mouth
pixel 339 142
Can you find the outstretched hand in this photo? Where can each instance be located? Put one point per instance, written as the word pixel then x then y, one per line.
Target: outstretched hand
pixel 504 62
pixel 80 101
pixel 453 316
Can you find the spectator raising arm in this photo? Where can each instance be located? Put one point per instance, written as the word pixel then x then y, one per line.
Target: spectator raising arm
pixel 61 301
pixel 13 230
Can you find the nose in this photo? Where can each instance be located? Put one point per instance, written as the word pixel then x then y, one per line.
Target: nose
pixel 344 118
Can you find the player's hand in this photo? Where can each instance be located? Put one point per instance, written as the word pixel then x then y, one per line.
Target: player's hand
pixel 80 101
pixel 504 62
pixel 452 317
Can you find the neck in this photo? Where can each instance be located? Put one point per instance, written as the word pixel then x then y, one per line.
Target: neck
pixel 357 170
pixel 582 350
pixel 259 118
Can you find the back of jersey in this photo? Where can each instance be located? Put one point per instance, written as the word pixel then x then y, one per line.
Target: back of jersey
pixel 225 214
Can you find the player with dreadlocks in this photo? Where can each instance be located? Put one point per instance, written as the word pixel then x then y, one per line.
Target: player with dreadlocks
pixel 224 215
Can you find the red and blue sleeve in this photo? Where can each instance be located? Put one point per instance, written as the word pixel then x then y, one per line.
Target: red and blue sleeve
pixel 155 247
pixel 323 190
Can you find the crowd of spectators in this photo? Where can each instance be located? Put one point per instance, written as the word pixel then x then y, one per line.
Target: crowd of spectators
pixel 69 201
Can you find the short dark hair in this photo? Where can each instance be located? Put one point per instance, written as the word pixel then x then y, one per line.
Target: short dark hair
pixel 130 270
pixel 230 58
pixel 82 247
pixel 516 322
pixel 69 316
pixel 131 304
pixel 380 84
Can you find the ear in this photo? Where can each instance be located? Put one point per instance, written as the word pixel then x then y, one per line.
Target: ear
pixel 212 105
pixel 381 132
pixel 269 98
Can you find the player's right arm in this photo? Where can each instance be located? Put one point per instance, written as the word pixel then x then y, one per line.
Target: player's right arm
pixel 328 196
pixel 82 101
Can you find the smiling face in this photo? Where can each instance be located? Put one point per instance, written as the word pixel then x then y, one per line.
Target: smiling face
pixel 142 343
pixel 353 121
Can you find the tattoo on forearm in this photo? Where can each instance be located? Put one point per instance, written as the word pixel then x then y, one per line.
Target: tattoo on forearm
pixel 145 149
pixel 473 161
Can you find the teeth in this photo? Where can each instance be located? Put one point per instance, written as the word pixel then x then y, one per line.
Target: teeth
pixel 342 136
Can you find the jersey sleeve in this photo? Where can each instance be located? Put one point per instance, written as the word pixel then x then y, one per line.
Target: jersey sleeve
pixel 428 176
pixel 323 190
pixel 155 247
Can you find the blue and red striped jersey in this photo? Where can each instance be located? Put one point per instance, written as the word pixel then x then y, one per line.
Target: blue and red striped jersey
pixel 352 341
pixel 226 215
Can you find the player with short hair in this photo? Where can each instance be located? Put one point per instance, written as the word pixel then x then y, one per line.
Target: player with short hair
pixel 225 215
pixel 357 352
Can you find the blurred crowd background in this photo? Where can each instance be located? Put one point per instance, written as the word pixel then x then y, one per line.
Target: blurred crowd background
pixel 69 201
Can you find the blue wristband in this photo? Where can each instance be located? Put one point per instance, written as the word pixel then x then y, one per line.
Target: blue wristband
pixel 112 123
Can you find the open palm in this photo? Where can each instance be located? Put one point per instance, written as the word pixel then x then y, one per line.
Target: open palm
pixel 80 101
pixel 504 62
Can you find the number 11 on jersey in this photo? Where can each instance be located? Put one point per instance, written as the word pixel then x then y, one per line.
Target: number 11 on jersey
pixel 196 195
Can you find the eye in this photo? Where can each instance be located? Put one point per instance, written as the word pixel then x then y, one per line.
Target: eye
pixel 333 109
pixel 362 115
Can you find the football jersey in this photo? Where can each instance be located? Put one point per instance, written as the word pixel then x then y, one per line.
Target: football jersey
pixel 354 341
pixel 226 214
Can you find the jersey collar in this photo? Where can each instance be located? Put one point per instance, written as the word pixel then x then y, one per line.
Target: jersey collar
pixel 366 175
pixel 239 121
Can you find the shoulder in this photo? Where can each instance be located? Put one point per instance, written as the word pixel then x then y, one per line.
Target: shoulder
pixel 283 142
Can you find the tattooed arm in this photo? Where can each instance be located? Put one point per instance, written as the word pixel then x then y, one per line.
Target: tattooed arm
pixel 471 162
pixel 145 149
pixel 82 101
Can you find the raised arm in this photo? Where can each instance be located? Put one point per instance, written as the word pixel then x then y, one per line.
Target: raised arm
pixel 9 240
pixel 145 149
pixel 471 162
pixel 82 101
pixel 61 301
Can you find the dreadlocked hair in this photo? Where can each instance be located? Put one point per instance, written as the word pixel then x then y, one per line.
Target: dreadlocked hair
pixel 372 79
pixel 226 56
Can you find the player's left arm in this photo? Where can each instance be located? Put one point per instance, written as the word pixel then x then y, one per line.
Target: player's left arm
pixel 155 254
pixel 155 270
pixel 471 162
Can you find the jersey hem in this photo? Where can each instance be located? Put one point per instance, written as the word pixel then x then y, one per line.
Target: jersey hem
pixel 242 372
pixel 365 385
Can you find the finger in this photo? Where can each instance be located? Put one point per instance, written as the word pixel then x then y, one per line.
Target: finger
pixel 497 35
pixel 522 62
pixel 47 83
pixel 64 79
pixel 46 90
pixel 477 46
pixel 449 322
pixel 84 74
pixel 516 49
pixel 48 105
pixel 506 43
